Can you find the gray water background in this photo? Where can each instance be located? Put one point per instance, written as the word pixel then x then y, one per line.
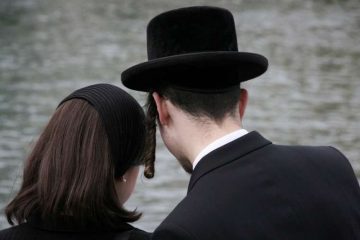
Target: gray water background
pixel 310 94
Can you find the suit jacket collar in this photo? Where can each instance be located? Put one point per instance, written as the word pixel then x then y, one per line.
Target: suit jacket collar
pixel 226 154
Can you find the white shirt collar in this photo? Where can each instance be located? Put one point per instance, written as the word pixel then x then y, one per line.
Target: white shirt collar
pixel 218 143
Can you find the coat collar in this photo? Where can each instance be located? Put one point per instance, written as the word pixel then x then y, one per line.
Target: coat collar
pixel 226 154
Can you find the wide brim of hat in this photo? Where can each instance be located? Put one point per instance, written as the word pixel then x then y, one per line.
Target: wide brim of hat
pixel 203 71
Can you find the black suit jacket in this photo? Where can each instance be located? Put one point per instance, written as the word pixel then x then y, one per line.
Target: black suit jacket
pixel 37 229
pixel 251 189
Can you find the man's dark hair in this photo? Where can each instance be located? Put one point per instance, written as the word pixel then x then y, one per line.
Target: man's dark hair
pixel 214 106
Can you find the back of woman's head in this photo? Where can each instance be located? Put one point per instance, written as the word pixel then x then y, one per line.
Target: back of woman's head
pixel 71 172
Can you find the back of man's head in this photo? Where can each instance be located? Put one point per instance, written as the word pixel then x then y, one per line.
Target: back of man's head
pixel 210 107
pixel 213 106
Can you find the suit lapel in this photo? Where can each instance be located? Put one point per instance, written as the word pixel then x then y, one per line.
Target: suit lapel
pixel 226 154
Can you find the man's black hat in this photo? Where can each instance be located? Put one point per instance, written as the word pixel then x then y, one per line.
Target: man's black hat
pixel 195 49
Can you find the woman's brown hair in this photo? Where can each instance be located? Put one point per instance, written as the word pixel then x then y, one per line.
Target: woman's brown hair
pixel 70 172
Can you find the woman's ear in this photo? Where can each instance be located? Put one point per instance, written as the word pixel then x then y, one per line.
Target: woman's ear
pixel 243 102
pixel 125 184
pixel 162 108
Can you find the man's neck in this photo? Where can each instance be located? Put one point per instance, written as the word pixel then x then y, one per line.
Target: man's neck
pixel 202 136
pixel 219 143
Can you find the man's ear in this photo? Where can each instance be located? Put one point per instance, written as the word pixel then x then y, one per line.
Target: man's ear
pixel 243 102
pixel 161 108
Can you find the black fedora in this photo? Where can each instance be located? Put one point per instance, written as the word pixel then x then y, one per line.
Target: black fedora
pixel 193 48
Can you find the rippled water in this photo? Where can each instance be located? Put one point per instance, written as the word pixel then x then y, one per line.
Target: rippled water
pixel 310 94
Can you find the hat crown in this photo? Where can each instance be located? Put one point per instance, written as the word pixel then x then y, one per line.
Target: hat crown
pixel 191 30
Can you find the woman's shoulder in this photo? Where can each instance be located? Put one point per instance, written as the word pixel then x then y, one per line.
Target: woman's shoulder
pixel 15 232
pixel 29 231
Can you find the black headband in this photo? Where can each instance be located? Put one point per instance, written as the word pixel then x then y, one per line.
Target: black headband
pixel 123 119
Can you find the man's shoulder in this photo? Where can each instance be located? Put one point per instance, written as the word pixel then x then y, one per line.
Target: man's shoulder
pixel 138 234
pixel 330 154
pixel 308 150
pixel 327 155
pixel 192 218
pixel 180 223
pixel 173 230
pixel 320 159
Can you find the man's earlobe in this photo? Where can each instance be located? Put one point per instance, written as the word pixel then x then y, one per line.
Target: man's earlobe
pixel 243 102
pixel 161 108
